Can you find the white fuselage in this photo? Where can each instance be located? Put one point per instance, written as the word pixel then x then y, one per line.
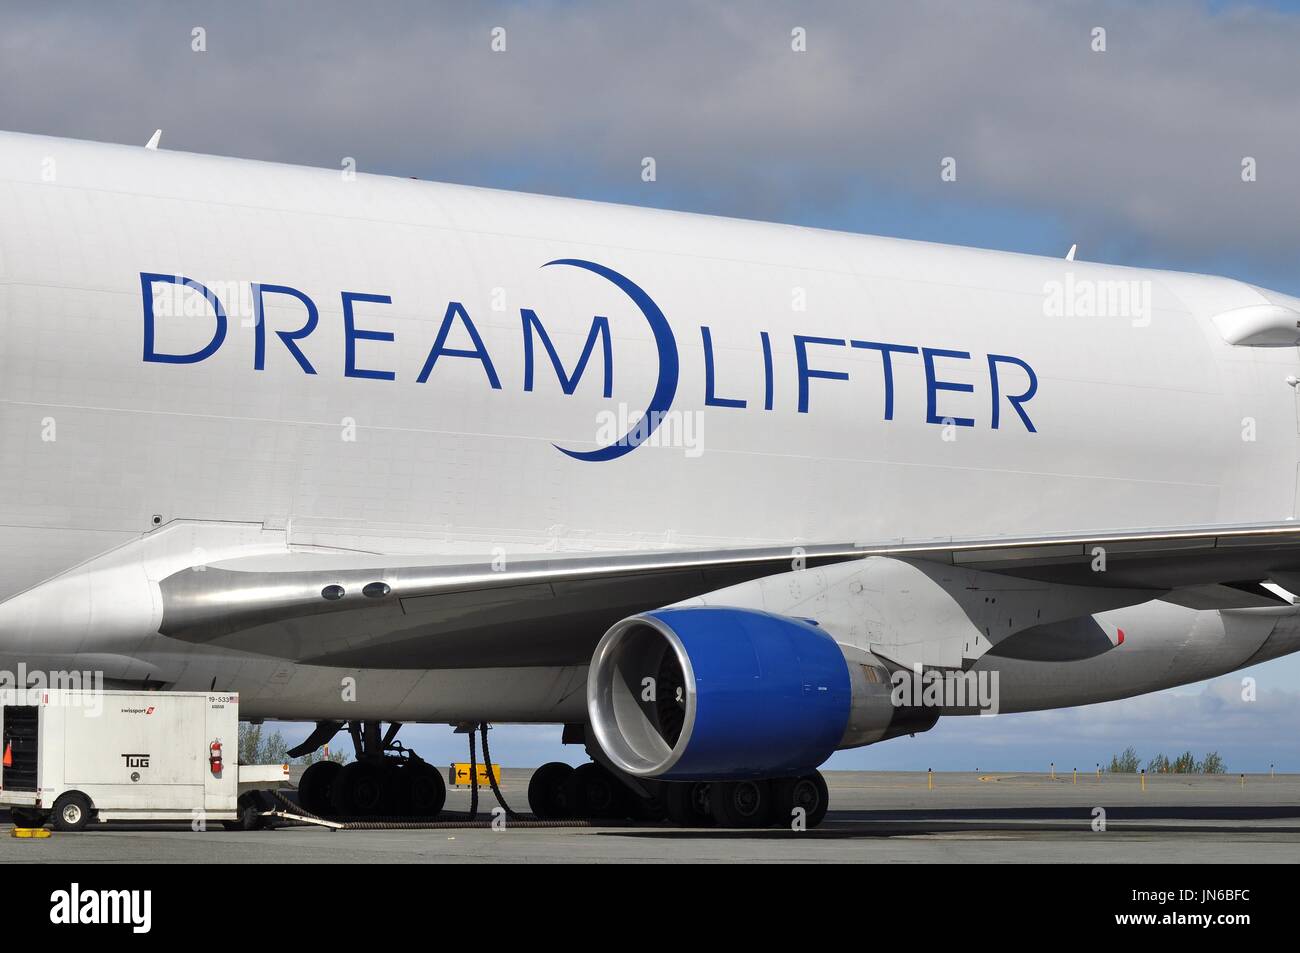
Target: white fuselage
pixel 374 432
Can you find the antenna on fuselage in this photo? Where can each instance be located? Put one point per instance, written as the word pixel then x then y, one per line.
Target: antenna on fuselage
pixel 152 144
pixel 1069 255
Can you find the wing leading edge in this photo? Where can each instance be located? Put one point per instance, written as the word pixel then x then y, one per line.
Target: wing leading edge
pixel 553 611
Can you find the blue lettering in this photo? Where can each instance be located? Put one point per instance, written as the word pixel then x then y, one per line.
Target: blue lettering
pixel 886 362
pixel 767 369
pixel 709 399
pixel 568 383
pixel 147 281
pixel 933 386
pixel 805 374
pixel 351 334
pixel 288 337
pixel 454 309
pixel 1015 400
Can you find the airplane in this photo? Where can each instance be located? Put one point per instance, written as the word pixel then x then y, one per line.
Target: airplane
pixel 718 497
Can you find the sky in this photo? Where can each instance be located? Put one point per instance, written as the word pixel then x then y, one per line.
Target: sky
pixel 1134 152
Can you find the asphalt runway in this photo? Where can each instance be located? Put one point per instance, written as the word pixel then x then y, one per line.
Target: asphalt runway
pixel 875 817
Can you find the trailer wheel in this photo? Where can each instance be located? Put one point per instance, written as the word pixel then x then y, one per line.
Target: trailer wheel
pixel 250 809
pixel 71 812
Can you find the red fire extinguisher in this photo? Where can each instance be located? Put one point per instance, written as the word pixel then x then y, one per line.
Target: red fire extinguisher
pixel 214 757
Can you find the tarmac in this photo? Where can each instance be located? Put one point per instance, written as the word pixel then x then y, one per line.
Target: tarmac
pixel 875 817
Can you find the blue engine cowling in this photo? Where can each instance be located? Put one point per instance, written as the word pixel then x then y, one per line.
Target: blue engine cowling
pixel 710 693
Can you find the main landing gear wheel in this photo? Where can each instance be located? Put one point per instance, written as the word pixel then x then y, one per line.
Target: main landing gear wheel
pixel 548 794
pixel 315 793
pixel 807 792
pixel 741 803
pixel 646 809
pixel 426 791
pixel 359 789
pixel 594 792
pixel 687 803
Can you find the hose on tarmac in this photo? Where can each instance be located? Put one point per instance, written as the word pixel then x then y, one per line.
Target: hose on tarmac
pixel 292 811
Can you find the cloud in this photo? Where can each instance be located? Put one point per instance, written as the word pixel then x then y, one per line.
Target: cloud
pixel 1137 149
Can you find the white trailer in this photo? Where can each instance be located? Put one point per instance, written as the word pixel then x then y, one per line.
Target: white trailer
pixel 78 756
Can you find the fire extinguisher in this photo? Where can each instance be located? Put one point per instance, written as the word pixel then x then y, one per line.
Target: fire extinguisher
pixel 214 757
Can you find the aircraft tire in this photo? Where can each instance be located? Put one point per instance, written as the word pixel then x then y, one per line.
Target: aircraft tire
pixel 687 803
pixel 314 787
pixel 742 804
pixel 808 792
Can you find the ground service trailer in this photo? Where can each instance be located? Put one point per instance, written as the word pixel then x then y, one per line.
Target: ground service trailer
pixel 78 756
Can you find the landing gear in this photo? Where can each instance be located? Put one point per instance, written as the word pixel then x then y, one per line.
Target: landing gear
pixel 425 790
pixel 777 802
pixel 591 790
pixel 741 803
pixel 387 779
pixel 600 791
pixel 594 792
pixel 548 791
pixel 792 795
pixel 360 789
pixel 315 789
pixel 687 803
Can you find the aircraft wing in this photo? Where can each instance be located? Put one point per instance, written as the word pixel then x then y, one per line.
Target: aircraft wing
pixel 1204 567
pixel 316 610
pixel 526 613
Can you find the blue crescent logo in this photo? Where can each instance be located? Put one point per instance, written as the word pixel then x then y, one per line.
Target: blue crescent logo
pixel 666 388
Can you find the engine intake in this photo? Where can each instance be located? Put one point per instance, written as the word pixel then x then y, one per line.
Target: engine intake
pixel 706 693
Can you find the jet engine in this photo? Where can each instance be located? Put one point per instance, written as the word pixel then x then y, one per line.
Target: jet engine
pixel 714 693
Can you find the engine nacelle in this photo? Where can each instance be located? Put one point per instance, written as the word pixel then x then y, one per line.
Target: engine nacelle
pixel 710 692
